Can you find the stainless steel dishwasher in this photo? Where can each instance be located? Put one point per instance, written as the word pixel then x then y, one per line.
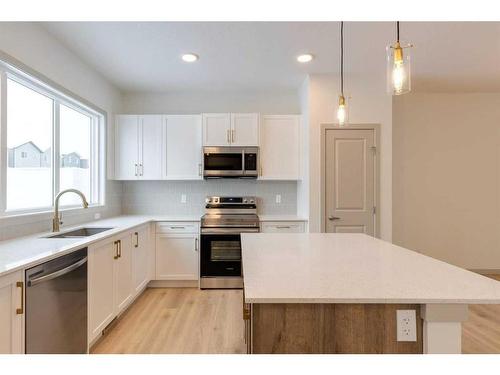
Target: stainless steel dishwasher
pixel 56 305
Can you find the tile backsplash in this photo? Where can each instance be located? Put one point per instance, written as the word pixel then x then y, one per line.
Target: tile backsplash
pixel 165 197
pixel 162 198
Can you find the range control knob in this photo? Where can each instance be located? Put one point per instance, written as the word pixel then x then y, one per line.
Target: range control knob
pixel 245 200
pixel 252 201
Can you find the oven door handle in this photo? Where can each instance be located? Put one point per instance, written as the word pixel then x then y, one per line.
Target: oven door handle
pixel 228 230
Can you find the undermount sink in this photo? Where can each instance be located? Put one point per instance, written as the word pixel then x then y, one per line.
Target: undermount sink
pixel 80 232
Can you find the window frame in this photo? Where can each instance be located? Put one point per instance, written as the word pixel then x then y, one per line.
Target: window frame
pixel 97 161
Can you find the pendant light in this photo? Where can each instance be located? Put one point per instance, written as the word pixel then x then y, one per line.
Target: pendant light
pixel 342 108
pixel 398 67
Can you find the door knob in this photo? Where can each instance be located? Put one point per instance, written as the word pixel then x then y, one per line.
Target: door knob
pixel 333 218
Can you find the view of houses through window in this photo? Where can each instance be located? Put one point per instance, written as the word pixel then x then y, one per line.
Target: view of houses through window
pixel 31 171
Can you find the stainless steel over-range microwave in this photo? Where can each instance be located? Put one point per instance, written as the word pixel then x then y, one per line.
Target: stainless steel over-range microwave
pixel 227 162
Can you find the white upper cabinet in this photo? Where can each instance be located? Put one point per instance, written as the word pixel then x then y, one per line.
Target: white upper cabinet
pixel 150 146
pixel 126 147
pixel 279 147
pixel 12 313
pixel 216 129
pixel 230 129
pixel 183 150
pixel 244 129
pixel 138 147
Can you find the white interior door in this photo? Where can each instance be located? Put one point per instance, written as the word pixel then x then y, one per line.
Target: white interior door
pixel 183 147
pixel 216 129
pixel 150 147
pixel 126 147
pixel 244 129
pixel 350 181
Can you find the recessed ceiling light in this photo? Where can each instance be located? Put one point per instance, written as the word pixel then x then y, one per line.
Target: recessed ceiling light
pixel 189 57
pixel 306 57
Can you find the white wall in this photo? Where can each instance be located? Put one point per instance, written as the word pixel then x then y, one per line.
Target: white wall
pixel 446 172
pixel 34 47
pixel 279 102
pixel 303 184
pixel 368 104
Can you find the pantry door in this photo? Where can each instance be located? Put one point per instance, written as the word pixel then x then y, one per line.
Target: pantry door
pixel 350 181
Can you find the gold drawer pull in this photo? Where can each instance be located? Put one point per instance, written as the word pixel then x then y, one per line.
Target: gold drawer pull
pixel 116 250
pixel 20 310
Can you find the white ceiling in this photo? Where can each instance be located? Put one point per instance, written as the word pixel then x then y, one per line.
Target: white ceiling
pixel 145 56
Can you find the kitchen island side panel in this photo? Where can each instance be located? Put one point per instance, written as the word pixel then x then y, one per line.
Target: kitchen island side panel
pixel 330 329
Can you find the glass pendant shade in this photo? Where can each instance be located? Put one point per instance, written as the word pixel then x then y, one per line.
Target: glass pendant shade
pixel 342 113
pixel 398 68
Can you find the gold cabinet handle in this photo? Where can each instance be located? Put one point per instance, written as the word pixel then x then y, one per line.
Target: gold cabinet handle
pixel 119 248
pixel 136 239
pixel 20 310
pixel 196 244
pixel 115 244
pixel 232 135
pixel 135 169
pixel 228 137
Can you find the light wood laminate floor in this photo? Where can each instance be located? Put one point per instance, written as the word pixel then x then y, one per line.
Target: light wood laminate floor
pixel 188 320
pixel 178 320
pixel 481 332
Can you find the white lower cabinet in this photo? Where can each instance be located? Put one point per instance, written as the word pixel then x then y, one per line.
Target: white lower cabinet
pixel 101 286
pixel 12 313
pixel 283 227
pixel 123 273
pixel 116 274
pixel 177 251
pixel 141 249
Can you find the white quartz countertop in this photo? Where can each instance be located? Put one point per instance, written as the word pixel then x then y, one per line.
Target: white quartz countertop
pixel 352 268
pixel 24 252
pixel 281 218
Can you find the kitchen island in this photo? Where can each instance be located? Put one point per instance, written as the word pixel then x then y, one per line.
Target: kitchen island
pixel 340 293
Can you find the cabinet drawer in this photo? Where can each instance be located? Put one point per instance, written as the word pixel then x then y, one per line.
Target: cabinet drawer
pixel 282 227
pixel 177 227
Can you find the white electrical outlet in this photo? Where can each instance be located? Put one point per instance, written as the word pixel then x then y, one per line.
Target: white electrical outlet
pixel 406 325
pixel 183 198
pixel 97 216
pixel 278 198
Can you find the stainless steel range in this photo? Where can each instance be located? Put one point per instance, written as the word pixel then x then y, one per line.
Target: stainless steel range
pixel 220 251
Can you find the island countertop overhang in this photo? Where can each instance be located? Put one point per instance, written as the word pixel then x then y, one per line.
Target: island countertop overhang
pixel 352 268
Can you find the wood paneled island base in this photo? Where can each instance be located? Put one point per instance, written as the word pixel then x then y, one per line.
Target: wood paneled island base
pixel 303 328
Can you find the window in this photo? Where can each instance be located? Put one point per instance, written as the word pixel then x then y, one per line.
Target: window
pixel 53 143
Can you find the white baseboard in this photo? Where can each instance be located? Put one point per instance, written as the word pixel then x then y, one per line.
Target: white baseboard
pixel 173 284
pixel 494 271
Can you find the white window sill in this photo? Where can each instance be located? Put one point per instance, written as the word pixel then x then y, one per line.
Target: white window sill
pixel 45 214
